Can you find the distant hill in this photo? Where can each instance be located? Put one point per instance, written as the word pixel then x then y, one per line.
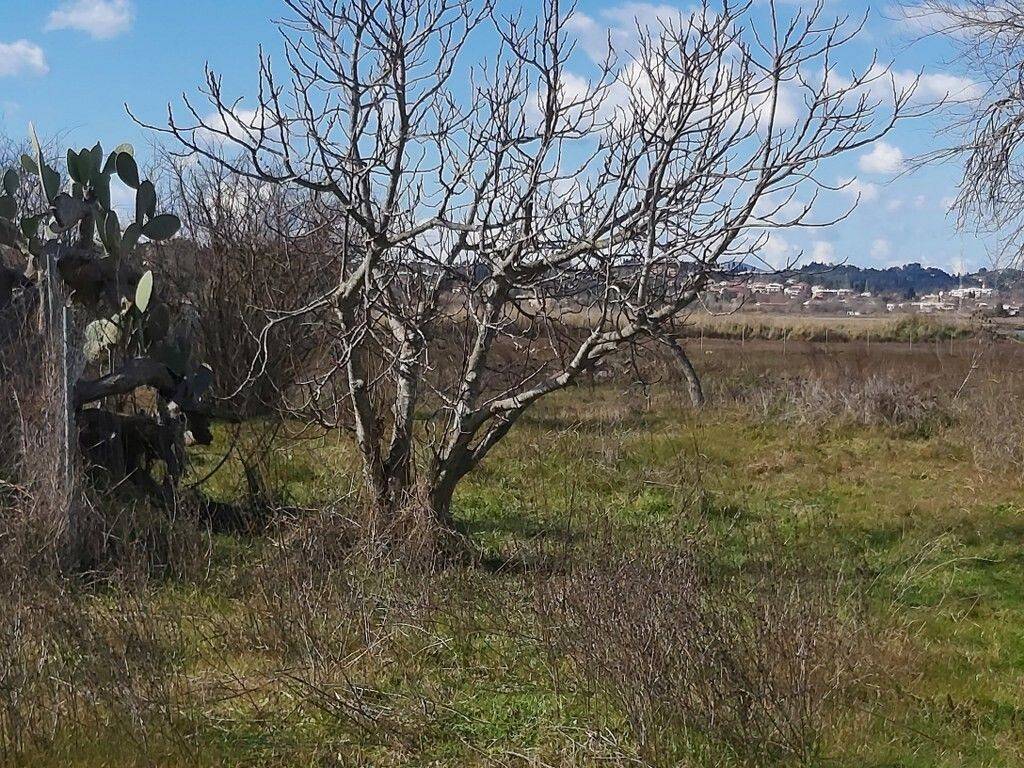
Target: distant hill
pixel 908 281
pixel 1002 279
pixel 740 268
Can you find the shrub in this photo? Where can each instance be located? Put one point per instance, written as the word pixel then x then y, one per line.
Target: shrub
pixel 703 666
pixel 878 400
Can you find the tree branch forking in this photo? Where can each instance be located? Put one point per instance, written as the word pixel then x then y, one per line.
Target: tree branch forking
pixel 507 225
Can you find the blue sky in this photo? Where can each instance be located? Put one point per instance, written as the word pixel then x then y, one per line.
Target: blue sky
pixel 70 65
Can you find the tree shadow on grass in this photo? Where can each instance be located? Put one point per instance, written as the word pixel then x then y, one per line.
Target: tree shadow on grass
pixel 517 543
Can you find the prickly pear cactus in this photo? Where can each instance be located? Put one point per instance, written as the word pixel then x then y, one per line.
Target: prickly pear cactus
pixel 78 252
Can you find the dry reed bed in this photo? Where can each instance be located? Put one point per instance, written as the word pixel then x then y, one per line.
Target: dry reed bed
pixel 824 328
pixel 969 387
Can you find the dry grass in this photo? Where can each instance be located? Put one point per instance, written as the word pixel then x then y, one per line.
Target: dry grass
pixel 32 477
pixel 824 328
pixel 967 387
pixel 724 669
pixel 766 583
pixel 877 401
pixel 306 644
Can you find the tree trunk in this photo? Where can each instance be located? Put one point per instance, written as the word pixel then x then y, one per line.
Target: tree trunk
pixel 57 324
pixel 441 490
pixel 689 372
pixel 367 428
pixel 399 464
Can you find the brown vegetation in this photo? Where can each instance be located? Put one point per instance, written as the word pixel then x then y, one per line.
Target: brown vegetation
pixel 657 650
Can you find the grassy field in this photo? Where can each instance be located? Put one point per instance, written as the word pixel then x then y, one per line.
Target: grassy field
pixel 884 327
pixel 824 567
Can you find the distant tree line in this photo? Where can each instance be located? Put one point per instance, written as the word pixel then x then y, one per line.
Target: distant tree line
pixel 907 281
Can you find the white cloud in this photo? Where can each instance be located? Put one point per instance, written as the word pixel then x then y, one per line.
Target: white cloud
pixel 645 14
pixel 865 191
pixel 22 57
pixel 122 200
pixel 880 248
pixel 930 86
pixel 575 90
pixel 883 158
pixel 923 17
pixel 776 252
pixel 933 17
pixel 592 36
pixel 823 251
pixel 942 85
pixel 786 108
pixel 242 124
pixel 620 25
pixel 894 205
pixel 776 207
pixel 100 19
pixel 880 82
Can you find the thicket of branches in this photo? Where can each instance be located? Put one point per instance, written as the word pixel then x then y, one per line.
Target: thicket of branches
pixel 986 131
pixel 487 232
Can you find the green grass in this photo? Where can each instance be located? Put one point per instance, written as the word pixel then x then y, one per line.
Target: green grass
pixel 936 541
pixel 932 542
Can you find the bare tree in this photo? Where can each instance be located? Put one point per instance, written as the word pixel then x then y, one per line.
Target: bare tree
pixel 246 246
pixel 505 226
pixel 986 122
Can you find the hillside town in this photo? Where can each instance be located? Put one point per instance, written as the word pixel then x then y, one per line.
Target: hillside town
pixel 801 294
